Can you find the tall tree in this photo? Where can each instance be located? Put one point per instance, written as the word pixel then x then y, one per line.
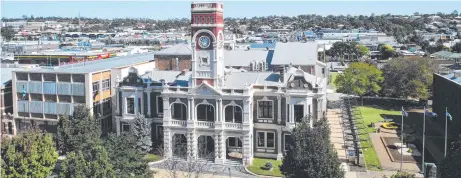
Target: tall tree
pixel 408 78
pixel 141 133
pixel 79 132
pixel 30 154
pixel 311 154
pixel 359 79
pixel 89 163
pixel 450 165
pixel 126 159
pixel 456 47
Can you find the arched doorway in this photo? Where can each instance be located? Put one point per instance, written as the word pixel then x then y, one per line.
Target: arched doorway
pixel 234 149
pixel 205 147
pixel 179 145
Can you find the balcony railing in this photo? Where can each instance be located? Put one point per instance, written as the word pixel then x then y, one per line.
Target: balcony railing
pixel 205 124
pixel 233 125
pixel 181 123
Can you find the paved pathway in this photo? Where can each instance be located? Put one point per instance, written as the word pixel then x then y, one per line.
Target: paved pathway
pixel 336 135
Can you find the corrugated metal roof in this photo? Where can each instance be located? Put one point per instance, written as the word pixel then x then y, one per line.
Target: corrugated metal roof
pixel 243 57
pixel 178 49
pixel 98 65
pixel 295 54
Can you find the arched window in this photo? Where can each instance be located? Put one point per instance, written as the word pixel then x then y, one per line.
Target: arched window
pixel 178 111
pixel 233 114
pixel 205 112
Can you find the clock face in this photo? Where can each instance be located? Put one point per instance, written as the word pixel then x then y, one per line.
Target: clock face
pixel 204 41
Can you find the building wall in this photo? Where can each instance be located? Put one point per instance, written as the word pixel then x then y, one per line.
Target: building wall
pixel 447 93
pixel 170 63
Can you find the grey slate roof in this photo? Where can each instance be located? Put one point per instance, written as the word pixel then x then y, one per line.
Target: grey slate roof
pixel 98 65
pixel 295 53
pixel 178 49
pixel 240 79
pixel 243 57
pixel 157 75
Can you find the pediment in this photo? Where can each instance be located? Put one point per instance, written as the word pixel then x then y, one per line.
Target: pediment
pixel 205 89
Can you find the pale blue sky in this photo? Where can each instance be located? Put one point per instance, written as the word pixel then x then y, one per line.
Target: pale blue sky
pixel 181 9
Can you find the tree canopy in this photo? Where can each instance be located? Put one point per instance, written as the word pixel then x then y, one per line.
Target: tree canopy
pixel 359 79
pixel 311 154
pixel 29 154
pixel 8 33
pixel 93 162
pixel 408 78
pixel 451 163
pixel 350 50
pixel 125 158
pixel 386 51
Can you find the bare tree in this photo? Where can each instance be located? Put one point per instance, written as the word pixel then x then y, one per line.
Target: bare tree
pixel 182 164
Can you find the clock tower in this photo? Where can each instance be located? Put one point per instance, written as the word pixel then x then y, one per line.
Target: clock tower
pixel 207 25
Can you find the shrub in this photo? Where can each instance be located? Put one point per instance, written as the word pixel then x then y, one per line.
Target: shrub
pixel 268 166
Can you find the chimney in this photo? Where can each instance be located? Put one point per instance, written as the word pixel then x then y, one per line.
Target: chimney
pixel 282 73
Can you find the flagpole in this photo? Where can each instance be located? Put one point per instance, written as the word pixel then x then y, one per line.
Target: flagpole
pixel 401 146
pixel 424 138
pixel 446 129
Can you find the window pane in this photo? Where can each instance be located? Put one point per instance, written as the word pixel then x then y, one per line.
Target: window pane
pixel 270 140
pixel 229 113
pixel 160 105
pixel 179 111
pixel 139 105
pixel 232 141
pixel 210 113
pixel 201 112
pixel 237 115
pixel 130 105
pixel 261 139
pixel 239 143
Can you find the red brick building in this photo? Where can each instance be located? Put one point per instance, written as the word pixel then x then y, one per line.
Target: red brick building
pixel 178 57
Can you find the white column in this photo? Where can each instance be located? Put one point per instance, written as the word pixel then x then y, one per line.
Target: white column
pixel 221 111
pixel 167 142
pixel 279 108
pixel 117 106
pixel 191 145
pixel 279 144
pixel 189 109
pixel 192 107
pixel 166 111
pixel 217 111
pixel 247 152
pixel 220 147
pixel 148 103
pixel 141 95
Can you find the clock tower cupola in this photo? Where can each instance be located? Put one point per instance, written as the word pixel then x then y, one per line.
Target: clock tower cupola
pixel 207 25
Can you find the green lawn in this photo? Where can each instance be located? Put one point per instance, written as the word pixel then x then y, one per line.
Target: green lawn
pixel 152 157
pixel 370 115
pixel 333 76
pixel 260 162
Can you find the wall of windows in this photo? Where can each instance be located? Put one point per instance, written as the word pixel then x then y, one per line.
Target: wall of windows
pixel 265 140
pixel 106 84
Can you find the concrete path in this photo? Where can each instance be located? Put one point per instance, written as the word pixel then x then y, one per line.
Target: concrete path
pixel 336 136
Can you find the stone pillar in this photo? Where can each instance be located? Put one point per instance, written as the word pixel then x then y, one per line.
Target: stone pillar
pixel 149 113
pixel 279 108
pixel 220 147
pixel 167 143
pixel 246 111
pixel 117 125
pixel 279 144
pixel 189 109
pixel 166 111
pixel 192 145
pixel 117 106
pixel 247 151
pixel 141 95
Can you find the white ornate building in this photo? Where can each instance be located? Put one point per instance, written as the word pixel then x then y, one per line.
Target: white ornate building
pixel 229 114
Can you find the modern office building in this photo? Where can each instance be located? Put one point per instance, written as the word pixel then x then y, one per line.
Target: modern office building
pixel 233 115
pixel 41 96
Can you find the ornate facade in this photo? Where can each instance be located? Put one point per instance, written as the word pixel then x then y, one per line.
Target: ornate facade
pixel 214 111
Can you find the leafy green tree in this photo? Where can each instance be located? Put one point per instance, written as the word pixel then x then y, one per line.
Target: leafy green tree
pixel 359 79
pixel 341 50
pixel 456 47
pixel 311 154
pixel 364 51
pixel 450 165
pixel 7 33
pixel 30 154
pixel 141 133
pixel 387 51
pixel 126 159
pixel 89 163
pixel 408 78
pixel 80 132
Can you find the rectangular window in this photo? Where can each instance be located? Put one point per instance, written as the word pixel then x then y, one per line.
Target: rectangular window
pixel 139 105
pixel 288 141
pixel 178 111
pixel 130 105
pixel 232 141
pixel 265 109
pixel 159 105
pixel 212 20
pixel 209 20
pixel 106 84
pixel 95 87
pixel 270 140
pixel 125 127
pixel 261 139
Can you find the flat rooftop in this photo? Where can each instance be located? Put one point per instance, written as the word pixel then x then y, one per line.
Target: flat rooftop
pixel 98 65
